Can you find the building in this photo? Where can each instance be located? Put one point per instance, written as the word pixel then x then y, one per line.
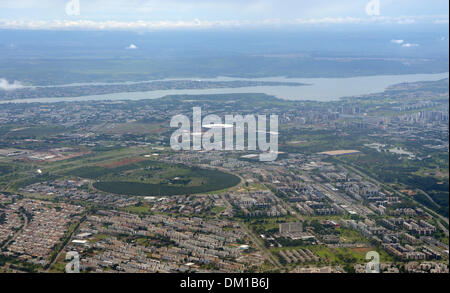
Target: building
pixel 294 227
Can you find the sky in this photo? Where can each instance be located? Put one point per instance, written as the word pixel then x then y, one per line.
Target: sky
pixel 157 14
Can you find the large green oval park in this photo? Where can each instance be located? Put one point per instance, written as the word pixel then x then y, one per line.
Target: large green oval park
pixel 154 178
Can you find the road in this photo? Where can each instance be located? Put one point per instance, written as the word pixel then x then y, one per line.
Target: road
pixel 346 166
pixel 443 227
pixel 63 247
pixel 429 197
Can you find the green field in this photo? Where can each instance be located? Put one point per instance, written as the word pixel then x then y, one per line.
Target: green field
pixel 407 174
pixel 152 178
pixel 34 132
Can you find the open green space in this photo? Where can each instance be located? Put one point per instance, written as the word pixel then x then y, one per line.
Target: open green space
pixel 153 178
pixel 405 174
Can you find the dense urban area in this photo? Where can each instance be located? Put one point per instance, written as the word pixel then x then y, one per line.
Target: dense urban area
pixel 361 174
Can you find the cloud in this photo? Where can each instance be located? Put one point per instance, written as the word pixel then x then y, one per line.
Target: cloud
pixel 132 47
pixel 406 21
pixel 197 23
pixel 405 45
pixel 6 86
pixel 409 45
pixel 216 9
pixel 397 41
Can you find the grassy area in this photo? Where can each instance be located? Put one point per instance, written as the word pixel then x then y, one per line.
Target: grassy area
pixel 339 256
pixel 140 209
pixel 60 265
pixel 98 237
pixel 404 173
pixel 351 236
pixel 217 210
pixel 264 225
pixel 129 128
pixel 156 178
pixel 35 132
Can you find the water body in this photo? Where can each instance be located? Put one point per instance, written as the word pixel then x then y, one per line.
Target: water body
pixel 319 89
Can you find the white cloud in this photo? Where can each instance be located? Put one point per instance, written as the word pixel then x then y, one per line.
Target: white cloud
pixel 406 21
pixel 7 86
pixel 79 24
pixel 405 45
pixel 225 9
pixel 397 41
pixel 132 47
pixel 409 45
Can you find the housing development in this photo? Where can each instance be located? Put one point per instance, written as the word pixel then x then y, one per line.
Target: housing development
pixel 100 179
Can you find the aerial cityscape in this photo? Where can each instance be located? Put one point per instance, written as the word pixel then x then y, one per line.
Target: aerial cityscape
pixel 309 156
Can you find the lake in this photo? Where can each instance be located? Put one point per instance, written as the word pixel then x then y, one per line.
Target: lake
pixel 318 89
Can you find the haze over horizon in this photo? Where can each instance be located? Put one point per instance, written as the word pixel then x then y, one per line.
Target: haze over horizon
pixel 199 38
pixel 195 14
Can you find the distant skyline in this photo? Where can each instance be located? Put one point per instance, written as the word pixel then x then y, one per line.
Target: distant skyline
pixel 176 14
